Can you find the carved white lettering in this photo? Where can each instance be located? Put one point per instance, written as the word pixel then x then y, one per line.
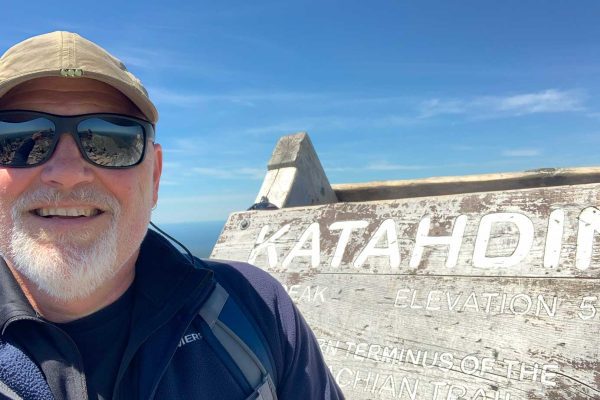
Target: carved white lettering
pixel 319 294
pixel 339 377
pixel 541 302
pixel 503 240
pixel 587 308
pixel 529 370
pixel 456 392
pixel 388 230
pixel 548 375
pixel 556 227
pixel 346 228
pixel 469 365
pixel 263 243
pixel 471 302
pixel 436 389
pixel 488 303
pixel 389 386
pixel 453 242
pixel 489 297
pixel 452 305
pixel 401 297
pixel 525 228
pixel 312 234
pixel 431 298
pixel 525 304
pixel 589 223
pixel 307 294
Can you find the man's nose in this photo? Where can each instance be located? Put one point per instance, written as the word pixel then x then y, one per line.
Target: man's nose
pixel 66 168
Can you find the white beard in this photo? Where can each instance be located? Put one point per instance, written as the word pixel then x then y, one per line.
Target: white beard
pixel 67 266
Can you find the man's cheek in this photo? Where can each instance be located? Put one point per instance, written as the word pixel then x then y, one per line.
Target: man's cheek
pixel 145 190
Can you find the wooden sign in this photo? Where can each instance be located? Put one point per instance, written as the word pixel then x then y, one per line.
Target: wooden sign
pixel 492 295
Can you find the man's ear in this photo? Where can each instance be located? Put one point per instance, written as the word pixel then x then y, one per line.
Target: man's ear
pixel 157 171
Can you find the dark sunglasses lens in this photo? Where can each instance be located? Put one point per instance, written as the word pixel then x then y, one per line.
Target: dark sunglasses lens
pixel 112 141
pixel 24 139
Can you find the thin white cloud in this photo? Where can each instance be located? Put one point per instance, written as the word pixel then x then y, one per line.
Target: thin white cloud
pixel 332 122
pixel 145 57
pixel 591 137
pixel 433 168
pixel 542 102
pixel 171 164
pixel 433 107
pixel 521 152
pixel 385 166
pixel 160 59
pixel 168 182
pixel 381 166
pixel 595 115
pixel 282 128
pixel 463 147
pixel 410 111
pixel 182 99
pixel 230 173
pixel 547 101
pixel 164 96
pixel 137 61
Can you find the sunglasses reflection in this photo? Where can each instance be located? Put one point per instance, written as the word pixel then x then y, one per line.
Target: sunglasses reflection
pixel 30 150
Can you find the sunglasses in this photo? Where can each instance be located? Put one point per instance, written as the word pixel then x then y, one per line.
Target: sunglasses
pixel 29 138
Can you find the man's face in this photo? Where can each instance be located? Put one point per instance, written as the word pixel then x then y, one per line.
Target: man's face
pixel 69 257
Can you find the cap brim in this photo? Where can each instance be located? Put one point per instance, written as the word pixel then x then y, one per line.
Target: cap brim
pixel 142 102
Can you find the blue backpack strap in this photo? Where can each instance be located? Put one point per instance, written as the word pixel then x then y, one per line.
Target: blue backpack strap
pixel 238 337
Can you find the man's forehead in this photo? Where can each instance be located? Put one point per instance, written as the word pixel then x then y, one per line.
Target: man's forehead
pixel 66 96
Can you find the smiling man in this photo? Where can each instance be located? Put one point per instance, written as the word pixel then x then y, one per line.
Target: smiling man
pixel 92 304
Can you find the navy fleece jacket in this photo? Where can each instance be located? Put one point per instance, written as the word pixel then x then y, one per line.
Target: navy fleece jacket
pixel 157 364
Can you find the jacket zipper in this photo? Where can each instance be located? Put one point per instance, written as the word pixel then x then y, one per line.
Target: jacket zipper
pixel 171 355
pixel 117 393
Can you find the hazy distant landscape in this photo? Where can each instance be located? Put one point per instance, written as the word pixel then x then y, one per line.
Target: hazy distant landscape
pixel 198 237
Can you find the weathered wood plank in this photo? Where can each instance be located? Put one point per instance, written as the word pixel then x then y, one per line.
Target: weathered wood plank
pixel 518 322
pixel 531 232
pixel 469 296
pixel 446 185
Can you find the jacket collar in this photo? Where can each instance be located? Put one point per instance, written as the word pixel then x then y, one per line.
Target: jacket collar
pixel 165 278
pixel 13 302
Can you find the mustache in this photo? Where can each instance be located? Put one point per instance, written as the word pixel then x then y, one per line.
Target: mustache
pixel 48 196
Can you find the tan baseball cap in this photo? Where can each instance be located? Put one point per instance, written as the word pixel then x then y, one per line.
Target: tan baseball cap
pixel 71 56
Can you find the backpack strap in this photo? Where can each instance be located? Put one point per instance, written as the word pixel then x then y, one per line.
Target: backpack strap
pixel 237 335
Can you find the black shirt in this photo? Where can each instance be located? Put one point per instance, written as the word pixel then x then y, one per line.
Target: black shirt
pixel 101 339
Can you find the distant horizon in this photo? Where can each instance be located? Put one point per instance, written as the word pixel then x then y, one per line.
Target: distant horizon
pixel 192 222
pixel 199 237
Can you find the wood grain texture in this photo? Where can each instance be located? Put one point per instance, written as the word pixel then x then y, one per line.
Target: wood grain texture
pixel 515 316
pixel 447 185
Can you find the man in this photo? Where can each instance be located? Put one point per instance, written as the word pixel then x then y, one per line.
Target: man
pixel 92 304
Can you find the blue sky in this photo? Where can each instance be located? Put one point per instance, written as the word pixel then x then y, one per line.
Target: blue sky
pixel 386 89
